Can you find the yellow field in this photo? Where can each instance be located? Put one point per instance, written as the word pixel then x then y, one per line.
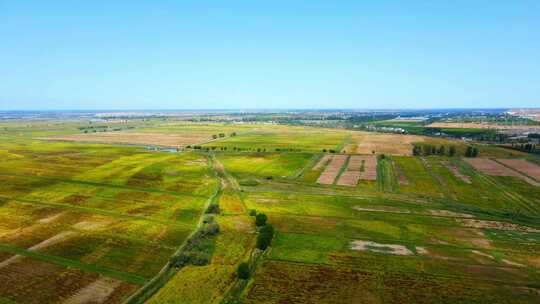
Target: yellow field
pixel 392 144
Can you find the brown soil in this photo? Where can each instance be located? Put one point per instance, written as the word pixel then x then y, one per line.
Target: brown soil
pixel 392 144
pixel 332 169
pixel 523 166
pixel 351 175
pixel 491 167
pixel 381 248
pixel 154 139
pixel 96 292
pixel 449 213
pixel 470 223
pixel 322 162
pixel 46 243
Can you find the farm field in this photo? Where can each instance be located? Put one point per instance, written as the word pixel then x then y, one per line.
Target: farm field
pixel 83 223
pixel 88 222
pixel 472 125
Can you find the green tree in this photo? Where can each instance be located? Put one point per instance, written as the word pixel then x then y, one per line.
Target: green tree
pixel 260 219
pixel 264 239
pixel 452 151
pixel 441 150
pixel 243 271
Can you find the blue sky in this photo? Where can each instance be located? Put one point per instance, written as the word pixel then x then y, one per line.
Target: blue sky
pixel 271 54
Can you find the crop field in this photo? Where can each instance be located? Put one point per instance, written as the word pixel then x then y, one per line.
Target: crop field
pixel 391 144
pixel 473 125
pixel 87 222
pixel 292 139
pixel 83 223
pixel 174 135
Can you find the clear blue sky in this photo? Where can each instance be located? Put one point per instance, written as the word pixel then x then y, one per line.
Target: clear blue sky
pixel 276 54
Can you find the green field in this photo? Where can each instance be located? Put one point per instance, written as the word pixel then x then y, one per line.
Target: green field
pixel 75 217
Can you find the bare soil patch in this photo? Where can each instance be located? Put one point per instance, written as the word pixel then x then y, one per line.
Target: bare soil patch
pixel 508 262
pixel 449 213
pixel 332 169
pixel 523 166
pixel 471 223
pixel 95 293
pixel 381 248
pixel 46 243
pixel 91 225
pixel 50 219
pixel 392 144
pixel 322 162
pixel 456 172
pixel 491 167
pixel 154 139
pixel 352 173
pixel 385 209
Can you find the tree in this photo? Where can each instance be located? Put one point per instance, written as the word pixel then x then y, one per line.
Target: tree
pixel 452 151
pixel 468 152
pixel 214 136
pixel 264 239
pixel 243 271
pixel 474 152
pixel 417 150
pixel 260 219
pixel 221 134
pixel 441 150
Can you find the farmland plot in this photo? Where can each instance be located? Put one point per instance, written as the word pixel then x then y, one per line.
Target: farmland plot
pixel 360 167
pixel 392 144
pixel 523 166
pixel 153 139
pixel 95 233
pixel 491 167
pixel 332 170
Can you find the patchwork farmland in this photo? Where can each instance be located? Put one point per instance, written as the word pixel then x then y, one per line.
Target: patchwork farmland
pixel 355 217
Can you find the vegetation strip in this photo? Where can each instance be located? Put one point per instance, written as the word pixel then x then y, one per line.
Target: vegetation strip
pixel 342 169
pixel 81 182
pixel 123 276
pixel 98 211
pixel 168 271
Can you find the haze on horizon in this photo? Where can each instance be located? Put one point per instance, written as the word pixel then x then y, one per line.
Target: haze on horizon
pixel 247 55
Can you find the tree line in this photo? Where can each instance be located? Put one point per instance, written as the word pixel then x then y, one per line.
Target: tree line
pixel 427 149
pixel 442 150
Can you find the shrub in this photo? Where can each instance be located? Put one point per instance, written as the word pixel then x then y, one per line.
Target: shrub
pixel 243 271
pixel 260 219
pixel 212 208
pixel 252 212
pixel 210 229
